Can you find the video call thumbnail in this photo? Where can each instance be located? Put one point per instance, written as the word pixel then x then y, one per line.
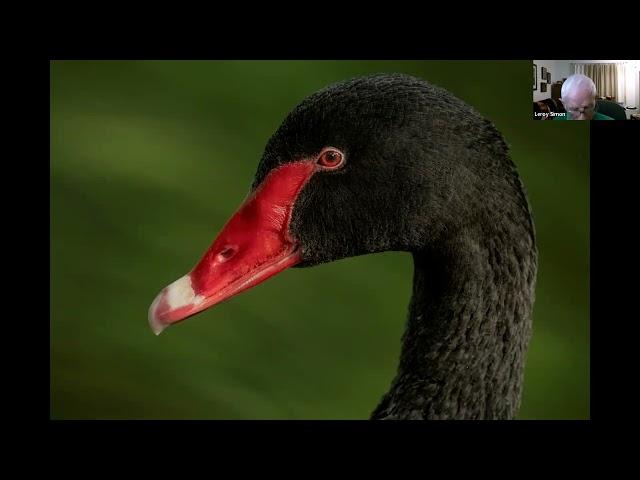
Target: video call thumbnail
pixel 586 89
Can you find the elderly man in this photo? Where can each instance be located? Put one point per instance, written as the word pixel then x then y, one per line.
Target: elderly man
pixel 579 99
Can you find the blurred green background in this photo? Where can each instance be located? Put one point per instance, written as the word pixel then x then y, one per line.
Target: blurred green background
pixel 150 158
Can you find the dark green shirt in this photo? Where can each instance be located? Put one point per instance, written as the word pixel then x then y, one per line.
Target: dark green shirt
pixel 597 116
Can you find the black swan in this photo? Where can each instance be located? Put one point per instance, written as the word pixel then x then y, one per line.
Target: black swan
pixel 391 162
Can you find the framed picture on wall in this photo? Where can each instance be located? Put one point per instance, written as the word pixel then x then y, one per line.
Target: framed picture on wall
pixel 543 87
pixel 543 75
pixel 535 77
pixel 548 77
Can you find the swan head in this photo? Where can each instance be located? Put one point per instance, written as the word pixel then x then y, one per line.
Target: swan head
pixel 377 163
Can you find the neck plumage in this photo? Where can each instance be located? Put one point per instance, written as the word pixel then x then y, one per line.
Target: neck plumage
pixel 468 329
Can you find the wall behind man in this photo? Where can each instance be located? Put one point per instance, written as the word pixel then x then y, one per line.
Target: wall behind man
pixel 550 66
pixel 562 70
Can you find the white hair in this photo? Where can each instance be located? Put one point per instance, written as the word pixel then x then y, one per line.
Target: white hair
pixel 577 82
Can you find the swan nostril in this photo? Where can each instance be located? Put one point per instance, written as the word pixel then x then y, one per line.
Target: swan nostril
pixel 226 253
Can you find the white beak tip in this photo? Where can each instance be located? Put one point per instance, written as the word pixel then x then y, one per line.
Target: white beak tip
pixel 154 322
pixel 178 295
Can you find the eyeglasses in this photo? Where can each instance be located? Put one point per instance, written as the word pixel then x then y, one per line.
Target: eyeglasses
pixel 586 110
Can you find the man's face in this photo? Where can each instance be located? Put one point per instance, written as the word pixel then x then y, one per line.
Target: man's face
pixel 580 104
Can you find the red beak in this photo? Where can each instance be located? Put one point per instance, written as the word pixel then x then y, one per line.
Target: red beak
pixel 253 245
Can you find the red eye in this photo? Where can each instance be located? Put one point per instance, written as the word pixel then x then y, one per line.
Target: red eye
pixel 331 158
